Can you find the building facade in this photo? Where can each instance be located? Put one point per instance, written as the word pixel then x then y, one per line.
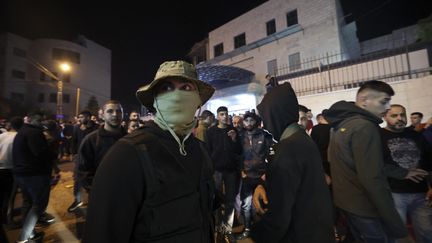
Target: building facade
pixel 24 81
pixel 278 33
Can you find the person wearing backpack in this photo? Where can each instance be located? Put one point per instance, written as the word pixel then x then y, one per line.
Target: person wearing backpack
pixel 155 184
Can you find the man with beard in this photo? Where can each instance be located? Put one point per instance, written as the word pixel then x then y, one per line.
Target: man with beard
pixel 299 205
pixel 256 146
pixel 155 184
pixel 85 126
pixel 407 157
pixel 96 144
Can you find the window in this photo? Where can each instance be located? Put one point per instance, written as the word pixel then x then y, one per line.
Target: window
pixel 65 55
pixel 53 98
pixel 292 18
pixel 239 41
pixel 42 76
pixel 218 50
pixel 271 27
pixel 17 97
pixel 272 67
pixel 18 74
pixel 66 98
pixel 19 52
pixel 294 61
pixel 41 98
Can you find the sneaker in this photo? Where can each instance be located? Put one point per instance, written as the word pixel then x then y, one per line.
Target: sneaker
pixel 46 218
pixel 37 237
pixel 75 205
pixel 229 237
pixel 243 235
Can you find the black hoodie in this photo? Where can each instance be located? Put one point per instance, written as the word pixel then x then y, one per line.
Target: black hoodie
pixel 300 208
pixel 356 163
pixel 278 109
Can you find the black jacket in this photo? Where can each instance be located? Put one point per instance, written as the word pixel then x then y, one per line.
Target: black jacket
pixel 78 135
pixel 31 153
pixel 256 148
pixel 92 150
pixel 300 208
pixel 225 153
pixel 146 191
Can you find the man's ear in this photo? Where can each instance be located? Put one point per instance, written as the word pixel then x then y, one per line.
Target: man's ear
pixel 362 101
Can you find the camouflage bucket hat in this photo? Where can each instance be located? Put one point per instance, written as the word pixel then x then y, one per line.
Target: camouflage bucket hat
pixel 179 69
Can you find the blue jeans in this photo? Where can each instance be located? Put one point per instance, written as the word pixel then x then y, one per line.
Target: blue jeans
pixel 36 190
pixel 414 205
pixel 368 230
pixel 246 192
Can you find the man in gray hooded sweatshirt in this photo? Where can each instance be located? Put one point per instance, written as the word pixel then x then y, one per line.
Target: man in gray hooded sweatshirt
pixel 299 204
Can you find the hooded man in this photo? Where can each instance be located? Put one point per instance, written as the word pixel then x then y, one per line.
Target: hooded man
pixel 299 205
pixel 155 184
pixel 360 187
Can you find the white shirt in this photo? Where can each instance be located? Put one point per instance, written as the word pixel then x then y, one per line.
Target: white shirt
pixel 6 141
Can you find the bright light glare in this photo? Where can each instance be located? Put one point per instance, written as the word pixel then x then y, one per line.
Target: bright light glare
pixel 65 67
pixel 236 103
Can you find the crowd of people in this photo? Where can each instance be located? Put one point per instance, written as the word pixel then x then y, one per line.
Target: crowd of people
pixel 275 172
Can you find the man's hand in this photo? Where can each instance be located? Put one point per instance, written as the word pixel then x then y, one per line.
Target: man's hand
pixel 232 134
pixel 260 194
pixel 416 175
pixel 243 174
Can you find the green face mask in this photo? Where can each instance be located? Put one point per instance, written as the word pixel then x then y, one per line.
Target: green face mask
pixel 175 112
pixel 177 108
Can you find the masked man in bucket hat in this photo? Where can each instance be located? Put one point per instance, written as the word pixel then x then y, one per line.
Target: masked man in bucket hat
pixel 155 185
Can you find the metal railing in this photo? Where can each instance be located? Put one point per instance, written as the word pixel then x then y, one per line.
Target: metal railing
pixel 331 72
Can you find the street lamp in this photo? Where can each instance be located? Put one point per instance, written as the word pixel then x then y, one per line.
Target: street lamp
pixel 65 67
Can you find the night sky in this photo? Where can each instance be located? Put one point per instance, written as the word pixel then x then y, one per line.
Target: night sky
pixel 142 37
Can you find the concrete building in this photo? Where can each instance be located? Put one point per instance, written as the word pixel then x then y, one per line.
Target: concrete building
pixel 276 33
pixel 22 82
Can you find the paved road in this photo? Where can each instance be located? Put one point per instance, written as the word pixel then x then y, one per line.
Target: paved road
pixel 68 227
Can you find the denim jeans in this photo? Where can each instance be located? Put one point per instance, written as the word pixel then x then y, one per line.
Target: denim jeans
pixel 414 206
pixel 368 230
pixel 246 191
pixel 36 189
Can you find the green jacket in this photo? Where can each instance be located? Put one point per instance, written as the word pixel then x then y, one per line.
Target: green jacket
pixel 356 162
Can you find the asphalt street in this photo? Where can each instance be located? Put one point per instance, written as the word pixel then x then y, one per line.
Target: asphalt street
pixel 68 227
